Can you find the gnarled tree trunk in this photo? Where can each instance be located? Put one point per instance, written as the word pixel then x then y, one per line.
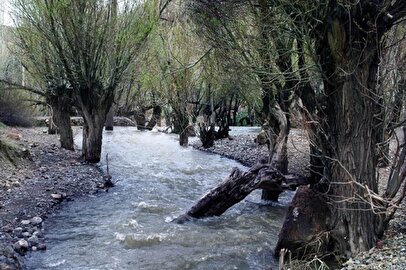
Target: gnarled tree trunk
pixel 156 115
pixel 181 123
pixel 349 59
pixel 61 103
pixel 94 113
pixel 109 125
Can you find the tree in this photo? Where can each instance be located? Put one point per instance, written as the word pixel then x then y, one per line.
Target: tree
pixel 42 62
pixel 349 61
pixel 94 48
pixel 251 36
pixel 343 38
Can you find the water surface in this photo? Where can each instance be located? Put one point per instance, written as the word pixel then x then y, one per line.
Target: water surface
pixel 129 227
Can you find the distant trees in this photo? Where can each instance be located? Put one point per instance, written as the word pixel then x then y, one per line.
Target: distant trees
pixel 92 48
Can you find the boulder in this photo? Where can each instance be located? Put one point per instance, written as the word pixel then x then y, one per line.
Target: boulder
pixel 304 231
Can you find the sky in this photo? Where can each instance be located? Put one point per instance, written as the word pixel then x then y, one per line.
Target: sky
pixel 5 6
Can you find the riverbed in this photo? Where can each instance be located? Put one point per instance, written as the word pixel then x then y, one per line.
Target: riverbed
pixel 130 226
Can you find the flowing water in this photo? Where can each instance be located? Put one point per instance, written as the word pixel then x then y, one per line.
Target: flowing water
pixel 129 227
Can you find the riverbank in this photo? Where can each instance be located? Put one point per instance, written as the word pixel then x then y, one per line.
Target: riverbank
pixel 243 149
pixel 389 254
pixel 32 189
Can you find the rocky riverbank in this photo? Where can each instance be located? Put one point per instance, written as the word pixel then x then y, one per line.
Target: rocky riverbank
pixel 390 252
pixel 32 189
pixel 243 149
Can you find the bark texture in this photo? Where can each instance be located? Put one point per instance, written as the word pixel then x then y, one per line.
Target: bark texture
pixel 94 111
pixel 60 100
pixel 237 186
pixel 109 125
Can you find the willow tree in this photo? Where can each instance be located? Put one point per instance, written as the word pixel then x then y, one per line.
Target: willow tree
pixel 42 63
pixel 348 45
pixel 252 37
pixel 94 48
pixel 344 39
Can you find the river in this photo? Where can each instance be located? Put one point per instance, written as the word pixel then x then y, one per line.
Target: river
pixel 130 226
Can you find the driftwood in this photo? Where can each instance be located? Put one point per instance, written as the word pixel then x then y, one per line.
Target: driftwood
pixel 239 185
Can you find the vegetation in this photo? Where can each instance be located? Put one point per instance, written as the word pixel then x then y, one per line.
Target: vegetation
pixel 91 44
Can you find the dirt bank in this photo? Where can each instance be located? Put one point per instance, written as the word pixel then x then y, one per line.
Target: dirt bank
pixel 31 188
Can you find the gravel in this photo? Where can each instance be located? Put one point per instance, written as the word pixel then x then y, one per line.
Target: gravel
pixel 28 189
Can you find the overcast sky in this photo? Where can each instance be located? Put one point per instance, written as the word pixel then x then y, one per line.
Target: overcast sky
pixel 6 12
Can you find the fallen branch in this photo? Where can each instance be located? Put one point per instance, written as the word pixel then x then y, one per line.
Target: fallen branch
pixel 239 185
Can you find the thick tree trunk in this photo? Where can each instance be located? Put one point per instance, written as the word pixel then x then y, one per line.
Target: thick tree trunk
pixel 349 62
pixel 61 104
pixel 94 111
pixel 109 125
pixel 207 135
pixel 184 137
pixel 92 135
pixel 351 145
pixel 140 118
pixel 62 119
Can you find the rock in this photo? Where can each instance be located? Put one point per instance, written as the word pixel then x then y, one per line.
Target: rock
pixel 21 246
pixel 7 229
pixel 36 221
pixel 26 234
pixel 14 135
pixel 25 222
pixel 57 196
pixel 18 232
pixel 41 246
pixel 33 240
pixel 39 234
pixel 9 258
pixel 262 138
pixel 34 248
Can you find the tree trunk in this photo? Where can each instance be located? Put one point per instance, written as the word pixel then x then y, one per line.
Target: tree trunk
pixel 109 125
pixel 62 119
pixel 92 135
pixel 52 128
pixel 61 104
pixel 140 118
pixel 350 62
pixel 184 138
pixel 278 151
pixel 352 152
pixel 207 134
pixel 156 115
pixel 94 111
pixel 181 124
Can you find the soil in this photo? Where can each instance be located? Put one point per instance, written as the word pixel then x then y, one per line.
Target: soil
pixel 32 188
